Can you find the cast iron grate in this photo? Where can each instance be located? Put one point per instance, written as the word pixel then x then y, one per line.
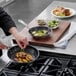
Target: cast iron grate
pixel 48 64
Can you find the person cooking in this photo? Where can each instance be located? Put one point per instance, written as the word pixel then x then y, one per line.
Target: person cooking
pixel 9 27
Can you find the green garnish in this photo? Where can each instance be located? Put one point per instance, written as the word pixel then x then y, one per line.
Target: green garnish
pixel 62 15
pixel 22 49
pixel 39 33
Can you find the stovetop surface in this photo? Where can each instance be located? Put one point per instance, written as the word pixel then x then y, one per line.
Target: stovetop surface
pixel 48 64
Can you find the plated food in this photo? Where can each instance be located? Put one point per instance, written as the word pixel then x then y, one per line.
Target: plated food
pixel 53 24
pixel 23 57
pixel 63 12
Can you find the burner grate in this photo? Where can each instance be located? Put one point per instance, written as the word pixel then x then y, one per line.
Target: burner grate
pixel 48 64
pixel 61 67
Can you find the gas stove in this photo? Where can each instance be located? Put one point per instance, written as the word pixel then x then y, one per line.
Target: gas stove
pixel 48 64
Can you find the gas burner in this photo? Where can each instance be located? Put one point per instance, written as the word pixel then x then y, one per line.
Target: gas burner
pixel 48 64
pixel 65 72
pixel 61 67
pixel 31 68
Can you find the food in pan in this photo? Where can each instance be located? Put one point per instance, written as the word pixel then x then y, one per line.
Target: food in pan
pixel 62 11
pixel 53 24
pixel 23 57
pixel 41 22
pixel 39 33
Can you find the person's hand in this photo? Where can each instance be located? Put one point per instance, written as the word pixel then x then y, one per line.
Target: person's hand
pixel 21 41
pixel 2 46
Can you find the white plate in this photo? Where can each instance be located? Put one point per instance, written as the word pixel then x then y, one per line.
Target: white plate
pixel 71 10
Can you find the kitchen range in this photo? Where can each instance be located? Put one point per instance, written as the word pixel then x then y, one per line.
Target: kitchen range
pixel 48 64
pixel 52 61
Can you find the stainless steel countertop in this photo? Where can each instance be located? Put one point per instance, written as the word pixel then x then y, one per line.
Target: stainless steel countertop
pixel 46 14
